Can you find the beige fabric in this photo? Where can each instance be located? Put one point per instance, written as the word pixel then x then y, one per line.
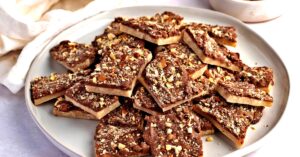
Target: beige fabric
pixel 25 17
pixel 20 22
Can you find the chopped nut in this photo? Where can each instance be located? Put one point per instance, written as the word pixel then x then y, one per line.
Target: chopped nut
pixel 177 149
pixel 110 36
pixel 227 77
pixel 173 49
pixel 121 146
pixel 112 56
pixel 181 125
pixel 153 125
pixel 168 124
pixel 169 85
pixel 113 144
pixel 178 83
pixel 169 131
pixel 171 78
pixel 94 80
pixel 52 77
pixel 70 76
pixel 219 69
pixel 190 130
pixel 168 147
pixel 209 139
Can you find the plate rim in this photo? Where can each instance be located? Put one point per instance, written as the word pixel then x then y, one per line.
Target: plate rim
pixel 239 152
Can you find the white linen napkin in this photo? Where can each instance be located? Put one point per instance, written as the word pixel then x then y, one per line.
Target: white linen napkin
pixel 58 20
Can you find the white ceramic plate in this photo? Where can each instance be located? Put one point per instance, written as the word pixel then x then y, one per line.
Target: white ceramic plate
pixel 75 137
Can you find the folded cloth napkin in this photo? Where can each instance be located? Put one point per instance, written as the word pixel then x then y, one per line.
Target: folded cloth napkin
pixel 57 21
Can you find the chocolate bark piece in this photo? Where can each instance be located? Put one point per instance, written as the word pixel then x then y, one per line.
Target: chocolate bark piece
pixel 96 104
pixel 261 77
pixel 169 135
pixel 171 85
pixel 125 115
pixel 45 88
pixel 160 29
pixel 184 112
pixel 232 120
pixel 119 141
pixel 243 93
pixel 181 55
pixel 118 70
pixel 109 40
pixel 143 101
pixel 113 36
pixel 169 82
pixel 209 51
pixel 65 108
pixel 224 35
pixel 74 56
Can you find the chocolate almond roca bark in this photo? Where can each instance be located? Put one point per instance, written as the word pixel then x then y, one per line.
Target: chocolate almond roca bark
pixel 261 77
pixel 117 72
pixel 125 115
pixel 244 93
pixel 112 36
pixel 169 83
pixel 209 51
pixel 118 141
pixel 224 35
pixel 160 29
pixel 96 104
pixel 45 88
pixel 181 55
pixel 65 108
pixel 168 135
pixel 143 101
pixel 74 56
pixel 232 120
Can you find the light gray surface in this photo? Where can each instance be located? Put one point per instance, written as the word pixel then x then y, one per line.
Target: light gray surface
pixel 254 51
pixel 19 135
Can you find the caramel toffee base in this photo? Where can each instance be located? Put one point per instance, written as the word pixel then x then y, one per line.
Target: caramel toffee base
pixel 118 91
pixel 242 100
pixel 43 99
pixel 109 91
pixel 145 36
pixel 99 114
pixel 267 89
pixel 79 66
pixel 190 42
pixel 224 41
pixel 198 73
pixel 149 111
pixel 73 114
